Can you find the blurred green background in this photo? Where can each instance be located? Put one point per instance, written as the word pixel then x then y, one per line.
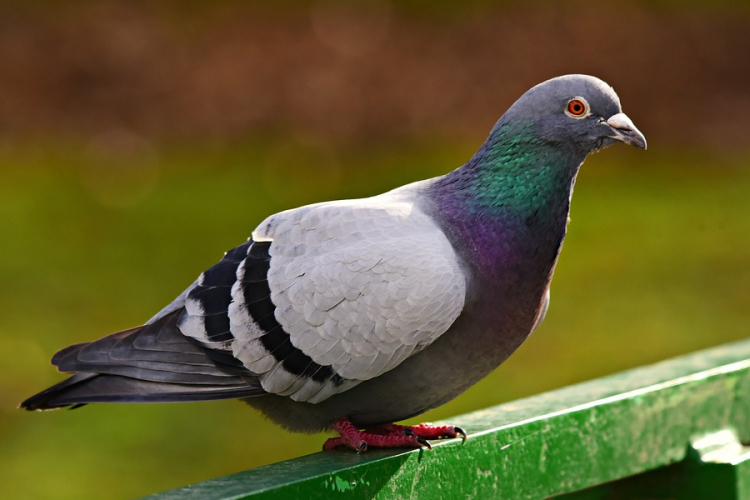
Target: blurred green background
pixel 139 141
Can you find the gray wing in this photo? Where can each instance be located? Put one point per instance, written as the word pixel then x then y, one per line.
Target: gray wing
pixel 323 298
pixel 331 295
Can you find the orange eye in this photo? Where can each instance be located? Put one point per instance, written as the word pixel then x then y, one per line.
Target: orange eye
pixel 576 107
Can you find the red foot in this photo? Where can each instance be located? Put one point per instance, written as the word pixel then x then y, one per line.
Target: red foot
pixel 389 435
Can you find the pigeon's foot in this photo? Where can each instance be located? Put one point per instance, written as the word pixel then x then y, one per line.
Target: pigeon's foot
pixel 389 435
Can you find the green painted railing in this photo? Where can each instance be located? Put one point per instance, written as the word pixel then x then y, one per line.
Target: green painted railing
pixel 673 430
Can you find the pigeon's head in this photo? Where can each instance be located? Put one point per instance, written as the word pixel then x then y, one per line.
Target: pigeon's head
pixel 577 110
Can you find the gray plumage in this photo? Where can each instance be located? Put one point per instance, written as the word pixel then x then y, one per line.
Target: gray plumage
pixel 375 309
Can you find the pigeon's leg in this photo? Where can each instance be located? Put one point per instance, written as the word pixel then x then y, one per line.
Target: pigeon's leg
pixel 359 441
pixel 390 435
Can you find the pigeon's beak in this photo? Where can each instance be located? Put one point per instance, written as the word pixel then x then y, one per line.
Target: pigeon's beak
pixel 624 130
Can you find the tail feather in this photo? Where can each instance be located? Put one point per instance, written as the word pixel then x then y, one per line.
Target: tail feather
pixel 85 388
pixel 151 364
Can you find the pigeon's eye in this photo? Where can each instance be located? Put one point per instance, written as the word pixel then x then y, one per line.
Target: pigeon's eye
pixel 577 108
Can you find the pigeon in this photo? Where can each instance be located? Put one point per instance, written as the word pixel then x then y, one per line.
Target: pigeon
pixel 351 315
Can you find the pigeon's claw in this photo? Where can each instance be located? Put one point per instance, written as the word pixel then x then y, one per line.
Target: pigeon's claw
pixel 461 432
pixel 390 436
pixel 336 442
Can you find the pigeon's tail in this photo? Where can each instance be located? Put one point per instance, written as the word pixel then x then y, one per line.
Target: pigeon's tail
pixel 84 388
pixel 150 364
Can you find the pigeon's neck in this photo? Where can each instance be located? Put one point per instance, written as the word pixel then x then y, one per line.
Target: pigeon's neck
pixel 508 206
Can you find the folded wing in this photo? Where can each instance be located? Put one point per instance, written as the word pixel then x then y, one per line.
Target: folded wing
pixel 333 294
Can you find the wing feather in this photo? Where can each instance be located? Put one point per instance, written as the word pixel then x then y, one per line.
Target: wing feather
pixel 357 286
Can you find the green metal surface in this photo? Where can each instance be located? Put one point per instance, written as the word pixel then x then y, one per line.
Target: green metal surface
pixel 717 467
pixel 683 419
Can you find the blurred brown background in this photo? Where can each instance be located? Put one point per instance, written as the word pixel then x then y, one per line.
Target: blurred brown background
pixel 362 70
pixel 140 140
